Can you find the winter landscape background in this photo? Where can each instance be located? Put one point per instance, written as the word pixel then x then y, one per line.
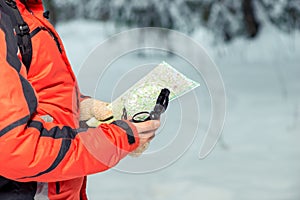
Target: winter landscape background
pixel 257 52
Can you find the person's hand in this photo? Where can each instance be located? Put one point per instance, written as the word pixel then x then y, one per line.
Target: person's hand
pixel 146 131
pixel 94 108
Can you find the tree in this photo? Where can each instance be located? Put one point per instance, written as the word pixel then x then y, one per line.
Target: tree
pixel 227 19
pixel 285 14
pixel 250 19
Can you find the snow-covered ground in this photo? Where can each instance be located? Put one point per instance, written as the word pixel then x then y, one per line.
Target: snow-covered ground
pixel 259 154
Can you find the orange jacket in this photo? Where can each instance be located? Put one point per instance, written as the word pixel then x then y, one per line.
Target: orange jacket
pixel 35 150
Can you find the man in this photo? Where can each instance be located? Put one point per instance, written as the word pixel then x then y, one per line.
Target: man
pixel 44 152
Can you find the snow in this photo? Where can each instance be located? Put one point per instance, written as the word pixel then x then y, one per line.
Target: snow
pixel 258 154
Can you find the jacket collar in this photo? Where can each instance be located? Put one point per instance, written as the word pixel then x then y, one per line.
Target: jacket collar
pixel 32 5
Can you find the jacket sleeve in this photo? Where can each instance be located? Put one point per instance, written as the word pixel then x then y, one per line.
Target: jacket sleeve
pixel 33 150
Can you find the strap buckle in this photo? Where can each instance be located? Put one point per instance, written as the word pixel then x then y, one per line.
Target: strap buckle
pixel 11 3
pixel 22 29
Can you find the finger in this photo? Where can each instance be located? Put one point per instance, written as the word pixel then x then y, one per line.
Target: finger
pixel 147 126
pixel 147 139
pixel 147 135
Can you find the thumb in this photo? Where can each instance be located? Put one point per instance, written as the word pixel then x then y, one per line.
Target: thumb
pixel 147 126
pixel 100 110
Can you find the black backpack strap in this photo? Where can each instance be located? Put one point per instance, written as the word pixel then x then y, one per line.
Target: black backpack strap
pixel 22 31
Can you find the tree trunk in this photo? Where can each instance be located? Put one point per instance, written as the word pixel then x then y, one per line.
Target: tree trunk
pixel 250 20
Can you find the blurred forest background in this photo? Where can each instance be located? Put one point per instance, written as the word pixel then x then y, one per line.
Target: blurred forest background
pixel 226 19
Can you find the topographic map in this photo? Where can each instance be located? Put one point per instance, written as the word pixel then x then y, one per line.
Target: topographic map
pixel 142 95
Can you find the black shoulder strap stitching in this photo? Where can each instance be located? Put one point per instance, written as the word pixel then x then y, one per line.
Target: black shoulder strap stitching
pixel 22 31
pixel 36 31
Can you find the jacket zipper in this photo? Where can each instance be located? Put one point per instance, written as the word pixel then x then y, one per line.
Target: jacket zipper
pixel 40 28
pixel 54 38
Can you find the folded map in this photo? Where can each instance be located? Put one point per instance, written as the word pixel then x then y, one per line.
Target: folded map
pixel 143 94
